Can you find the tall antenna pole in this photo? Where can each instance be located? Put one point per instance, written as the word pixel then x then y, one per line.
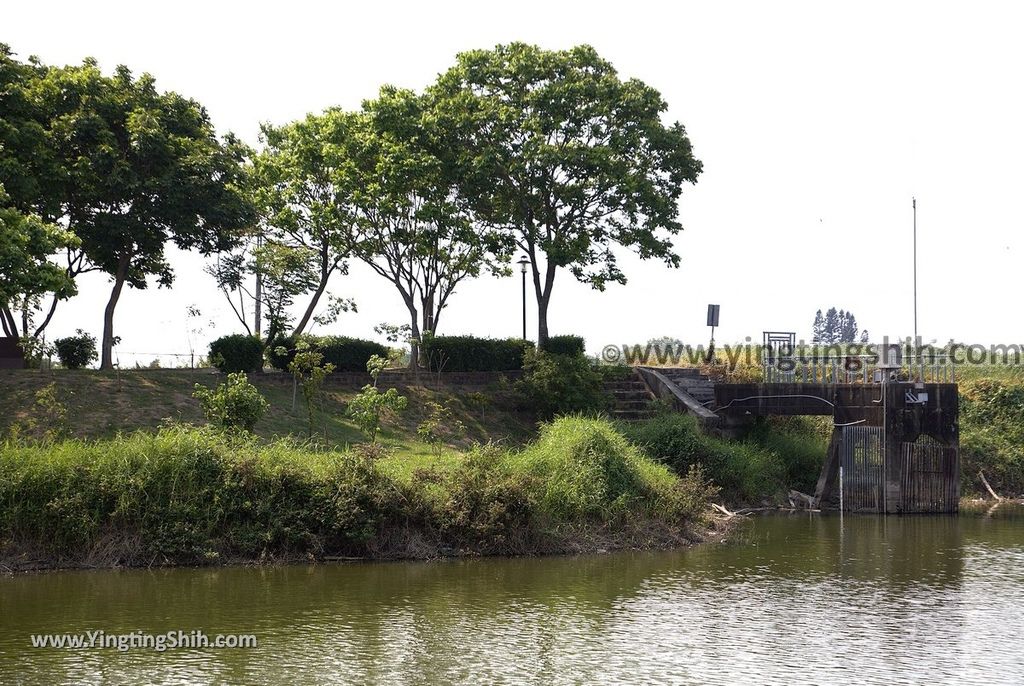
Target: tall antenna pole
pixel 914 202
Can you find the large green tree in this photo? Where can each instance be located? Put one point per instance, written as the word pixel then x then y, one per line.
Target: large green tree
pixel 567 158
pixel 418 230
pixel 303 185
pixel 140 169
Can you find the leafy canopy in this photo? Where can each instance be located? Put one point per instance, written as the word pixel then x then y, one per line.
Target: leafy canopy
pixel 566 156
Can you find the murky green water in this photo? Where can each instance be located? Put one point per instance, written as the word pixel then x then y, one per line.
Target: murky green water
pixel 790 600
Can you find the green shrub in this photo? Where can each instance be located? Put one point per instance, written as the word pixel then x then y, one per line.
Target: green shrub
pixel 369 405
pixel 486 503
pixel 561 384
pixel 473 354
pixel 744 471
pixel 567 344
pixel 237 353
pixel 800 443
pixel 588 470
pixel 189 495
pixel 76 351
pixel 992 435
pixel 440 426
pixel 346 354
pixel 236 404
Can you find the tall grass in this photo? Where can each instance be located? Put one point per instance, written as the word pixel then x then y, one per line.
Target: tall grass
pixel 745 471
pixel 992 435
pixel 588 469
pixel 195 495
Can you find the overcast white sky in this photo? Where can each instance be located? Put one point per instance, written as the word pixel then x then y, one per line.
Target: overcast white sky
pixel 816 122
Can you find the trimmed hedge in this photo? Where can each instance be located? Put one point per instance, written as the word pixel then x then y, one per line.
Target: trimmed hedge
pixel 237 353
pixel 567 344
pixel 346 354
pixel 473 354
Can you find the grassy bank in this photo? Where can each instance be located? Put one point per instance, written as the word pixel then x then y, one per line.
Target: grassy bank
pixel 102 404
pixel 187 495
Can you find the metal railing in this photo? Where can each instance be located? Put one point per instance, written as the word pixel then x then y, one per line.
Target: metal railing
pixel 928 367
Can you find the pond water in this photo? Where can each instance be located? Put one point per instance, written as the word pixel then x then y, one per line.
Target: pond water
pixel 787 600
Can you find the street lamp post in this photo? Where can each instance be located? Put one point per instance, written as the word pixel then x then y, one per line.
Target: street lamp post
pixel 523 263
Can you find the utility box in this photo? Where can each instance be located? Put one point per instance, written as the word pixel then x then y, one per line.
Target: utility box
pixel 890 362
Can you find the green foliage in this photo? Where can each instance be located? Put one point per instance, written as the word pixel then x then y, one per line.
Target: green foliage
pixel 189 496
pixel 800 443
pixel 345 353
pixel 235 404
pixel 26 274
pixel 588 470
pixel 836 326
pixel 35 350
pixel 46 419
pixel 566 158
pixel 567 344
pixel 284 271
pixel 419 231
pixel 744 471
pixel 615 372
pixel 475 354
pixel 302 182
pixel 195 495
pixel 137 169
pixel 992 435
pixel 369 406
pixel 310 370
pixel 487 503
pixel 76 351
pixel 561 384
pixel 441 426
pixel 237 353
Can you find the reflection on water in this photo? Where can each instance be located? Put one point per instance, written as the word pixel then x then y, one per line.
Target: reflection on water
pixel 791 599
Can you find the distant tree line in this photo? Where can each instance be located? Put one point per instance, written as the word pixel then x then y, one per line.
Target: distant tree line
pixel 512 150
pixel 837 326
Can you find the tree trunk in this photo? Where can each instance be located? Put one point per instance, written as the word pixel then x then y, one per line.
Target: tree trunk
pixel 414 334
pixel 107 359
pixel 543 300
pixel 258 300
pixel 301 326
pixel 542 322
pixel 429 318
pixel 10 327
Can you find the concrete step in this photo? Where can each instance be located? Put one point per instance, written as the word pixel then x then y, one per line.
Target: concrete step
pixel 632 415
pixel 691 372
pixel 630 392
pixel 633 404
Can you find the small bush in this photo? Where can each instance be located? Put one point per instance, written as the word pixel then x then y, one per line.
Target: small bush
pixel 236 404
pixel 440 426
pixel 566 345
pixel 561 384
pixel 473 354
pixel 992 435
pixel 346 354
pixel 588 470
pixel 369 405
pixel 237 353
pixel 76 351
pixel 486 503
